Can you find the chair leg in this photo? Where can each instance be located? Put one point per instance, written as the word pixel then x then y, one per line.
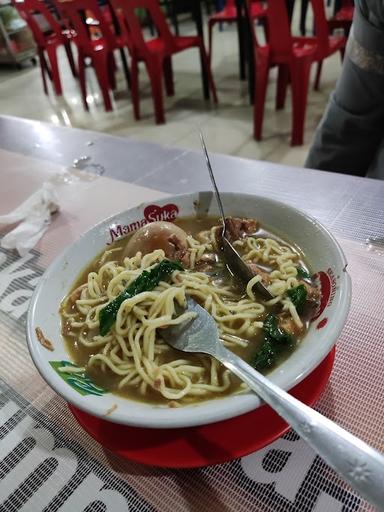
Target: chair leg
pixel 135 89
pixel 300 71
pixel 68 50
pixel 282 83
pixel 318 75
pixel 205 61
pixel 342 53
pixel 210 27
pixel 52 56
pixel 168 76
pixel 102 64
pixel 111 64
pixel 43 69
pixel 154 72
pixel 125 67
pixel 82 80
pixel 261 82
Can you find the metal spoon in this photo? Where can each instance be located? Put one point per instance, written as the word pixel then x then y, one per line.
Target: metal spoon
pixel 359 464
pixel 232 258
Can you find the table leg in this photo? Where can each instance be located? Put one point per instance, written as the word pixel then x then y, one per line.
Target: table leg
pixel 196 12
pixel 240 32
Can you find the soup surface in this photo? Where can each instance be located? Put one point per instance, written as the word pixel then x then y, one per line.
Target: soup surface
pixel 113 316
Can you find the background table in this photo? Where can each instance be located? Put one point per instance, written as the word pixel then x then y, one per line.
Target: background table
pixel 47 462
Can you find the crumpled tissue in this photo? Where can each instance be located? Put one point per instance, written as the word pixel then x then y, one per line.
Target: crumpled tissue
pixel 34 216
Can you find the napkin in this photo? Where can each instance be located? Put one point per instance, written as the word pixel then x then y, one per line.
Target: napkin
pixel 34 216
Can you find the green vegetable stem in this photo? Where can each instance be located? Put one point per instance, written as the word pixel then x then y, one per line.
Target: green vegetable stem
pixel 146 281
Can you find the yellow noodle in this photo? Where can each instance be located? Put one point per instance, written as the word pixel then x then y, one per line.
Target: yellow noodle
pixel 133 350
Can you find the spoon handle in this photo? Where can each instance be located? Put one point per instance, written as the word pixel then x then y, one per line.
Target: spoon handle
pixel 359 464
pixel 211 175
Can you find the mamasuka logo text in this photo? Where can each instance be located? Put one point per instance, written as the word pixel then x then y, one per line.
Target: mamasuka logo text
pixel 152 213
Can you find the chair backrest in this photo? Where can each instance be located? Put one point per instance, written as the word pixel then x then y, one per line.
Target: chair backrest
pixel 278 28
pixel 230 3
pixel 77 12
pixel 129 10
pixel 321 26
pixel 31 11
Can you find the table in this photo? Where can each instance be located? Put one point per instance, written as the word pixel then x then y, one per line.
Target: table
pixel 48 462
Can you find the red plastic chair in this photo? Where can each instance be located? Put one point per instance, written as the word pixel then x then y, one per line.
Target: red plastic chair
pixel 327 44
pixel 294 57
pixel 156 53
pixel 47 41
pixel 342 18
pixel 96 42
pixel 229 15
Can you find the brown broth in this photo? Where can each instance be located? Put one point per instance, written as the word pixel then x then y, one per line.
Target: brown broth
pixel 109 381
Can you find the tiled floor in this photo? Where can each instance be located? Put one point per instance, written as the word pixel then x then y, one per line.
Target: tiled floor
pixel 227 127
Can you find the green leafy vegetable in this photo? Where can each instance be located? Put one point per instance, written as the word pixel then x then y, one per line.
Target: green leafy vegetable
pixel 147 280
pixel 276 341
pixel 266 356
pixel 301 272
pixel 298 296
pixel 274 332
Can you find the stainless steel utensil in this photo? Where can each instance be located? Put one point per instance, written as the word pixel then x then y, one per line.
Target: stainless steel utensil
pixel 234 261
pixel 359 464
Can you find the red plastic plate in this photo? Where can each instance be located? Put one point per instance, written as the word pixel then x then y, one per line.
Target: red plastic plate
pixel 207 444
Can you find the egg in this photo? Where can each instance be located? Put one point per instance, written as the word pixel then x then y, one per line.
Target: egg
pixel 157 235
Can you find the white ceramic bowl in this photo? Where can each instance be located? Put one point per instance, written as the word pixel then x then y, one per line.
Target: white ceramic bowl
pixel 323 254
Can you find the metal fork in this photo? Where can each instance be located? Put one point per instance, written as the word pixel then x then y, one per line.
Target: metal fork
pixel 358 463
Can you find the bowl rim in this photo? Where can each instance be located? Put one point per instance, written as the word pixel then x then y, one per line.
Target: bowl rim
pixel 179 417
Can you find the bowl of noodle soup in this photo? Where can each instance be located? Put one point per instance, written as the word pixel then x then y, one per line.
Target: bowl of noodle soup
pixel 95 320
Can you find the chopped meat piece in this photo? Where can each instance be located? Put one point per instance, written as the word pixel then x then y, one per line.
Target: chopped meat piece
pixel 66 328
pixel 182 255
pixel 111 409
pixel 173 404
pixel 176 241
pixel 75 295
pixel 45 342
pixel 313 292
pixel 206 262
pixel 286 322
pixel 157 383
pixel 238 227
pixel 257 271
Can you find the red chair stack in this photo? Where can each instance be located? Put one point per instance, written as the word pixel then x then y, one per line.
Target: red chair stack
pixel 342 18
pixel 47 41
pixel 96 47
pixel 229 15
pixel 327 44
pixel 156 53
pixel 294 62
pixel 294 57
